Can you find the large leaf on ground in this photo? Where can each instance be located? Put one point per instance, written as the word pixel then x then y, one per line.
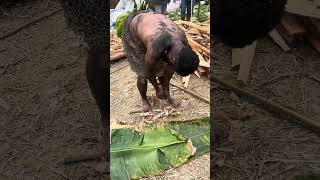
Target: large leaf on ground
pixel 197 130
pixel 140 154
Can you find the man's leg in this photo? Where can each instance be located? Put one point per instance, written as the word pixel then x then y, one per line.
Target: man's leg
pixel 183 9
pixel 142 87
pixel 159 91
pixel 158 8
pixel 96 70
pixel 164 9
pixel 188 4
pixel 165 82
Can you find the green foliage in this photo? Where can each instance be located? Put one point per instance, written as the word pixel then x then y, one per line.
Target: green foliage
pixel 203 15
pixel 119 23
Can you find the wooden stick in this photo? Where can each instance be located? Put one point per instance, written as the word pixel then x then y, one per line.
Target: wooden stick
pixel 202 62
pixel 314 125
pixel 247 56
pixel 197 45
pixel 116 55
pixel 275 35
pixel 82 157
pixel 191 93
pixel 186 81
pixel 201 29
pixel 29 24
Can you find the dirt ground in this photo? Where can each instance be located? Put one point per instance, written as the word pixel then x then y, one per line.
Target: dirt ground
pixel 267 145
pixel 125 99
pixel 47 111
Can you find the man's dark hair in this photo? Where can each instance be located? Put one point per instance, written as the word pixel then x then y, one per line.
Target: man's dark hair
pixel 240 22
pixel 187 63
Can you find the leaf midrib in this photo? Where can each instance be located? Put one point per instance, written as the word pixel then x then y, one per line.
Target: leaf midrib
pixel 144 147
pixel 152 147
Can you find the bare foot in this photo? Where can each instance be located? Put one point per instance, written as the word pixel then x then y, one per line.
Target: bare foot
pixel 146 107
pixel 174 102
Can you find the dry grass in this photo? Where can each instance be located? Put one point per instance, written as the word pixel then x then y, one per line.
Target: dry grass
pixel 266 146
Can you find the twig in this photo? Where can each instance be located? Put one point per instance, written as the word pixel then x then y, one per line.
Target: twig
pixel 82 157
pixel 287 75
pixel 191 93
pixel 119 69
pixel 263 161
pixel 293 160
pixel 52 169
pixel 29 24
pixel 314 125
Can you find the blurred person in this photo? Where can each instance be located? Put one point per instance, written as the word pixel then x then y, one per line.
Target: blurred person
pixel 186 9
pixel 160 6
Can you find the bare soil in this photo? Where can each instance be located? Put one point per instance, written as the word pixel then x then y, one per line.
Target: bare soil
pixel 47 111
pixel 126 104
pixel 266 145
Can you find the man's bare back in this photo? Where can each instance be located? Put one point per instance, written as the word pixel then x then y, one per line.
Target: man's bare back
pixel 147 26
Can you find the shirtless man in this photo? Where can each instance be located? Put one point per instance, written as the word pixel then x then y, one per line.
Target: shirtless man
pixel 156 48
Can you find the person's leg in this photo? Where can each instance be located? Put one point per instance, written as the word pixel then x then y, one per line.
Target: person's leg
pixel 96 71
pixel 142 84
pixel 183 9
pixel 155 84
pixel 158 8
pixel 188 6
pixel 164 9
pixel 165 82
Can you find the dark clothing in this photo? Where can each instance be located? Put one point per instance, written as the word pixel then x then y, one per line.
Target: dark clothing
pixel 186 6
pixel 160 9
pixel 161 2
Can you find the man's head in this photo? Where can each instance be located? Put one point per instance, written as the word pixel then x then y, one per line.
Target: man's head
pixel 187 61
pixel 240 22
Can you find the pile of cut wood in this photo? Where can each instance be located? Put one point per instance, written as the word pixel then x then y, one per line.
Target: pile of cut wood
pixel 198 37
pixel 296 27
pixel 116 48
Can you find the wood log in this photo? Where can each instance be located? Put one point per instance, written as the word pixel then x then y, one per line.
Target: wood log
pixel 291 24
pixel 275 35
pixel 197 45
pixel 285 35
pixel 118 54
pixel 304 7
pixel 201 71
pixel 185 81
pixel 205 30
pixel 283 111
pixel 202 62
pixel 244 56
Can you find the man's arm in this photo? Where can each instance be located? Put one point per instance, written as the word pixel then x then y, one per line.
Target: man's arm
pixel 148 63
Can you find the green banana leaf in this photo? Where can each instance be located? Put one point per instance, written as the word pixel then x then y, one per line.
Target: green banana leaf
pixel 159 147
